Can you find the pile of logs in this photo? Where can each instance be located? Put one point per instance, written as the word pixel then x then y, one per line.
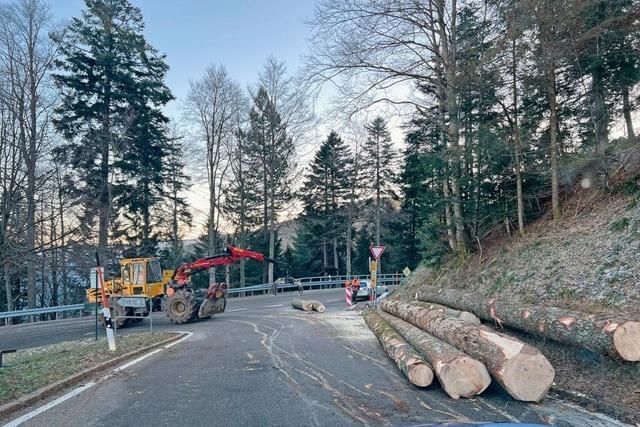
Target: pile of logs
pixel 520 368
pixel 463 354
pixel 442 331
pixel 308 305
pixel 612 335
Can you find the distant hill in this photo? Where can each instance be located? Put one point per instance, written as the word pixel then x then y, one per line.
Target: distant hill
pixel 288 231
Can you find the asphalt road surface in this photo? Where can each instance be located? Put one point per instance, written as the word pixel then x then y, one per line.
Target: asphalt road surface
pixel 263 363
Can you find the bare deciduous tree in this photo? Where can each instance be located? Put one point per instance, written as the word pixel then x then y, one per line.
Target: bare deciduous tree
pixel 380 52
pixel 26 59
pixel 214 103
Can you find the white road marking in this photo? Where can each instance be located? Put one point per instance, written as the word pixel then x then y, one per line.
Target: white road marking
pixel 82 388
pixel 50 405
pixel 272 306
pixel 235 309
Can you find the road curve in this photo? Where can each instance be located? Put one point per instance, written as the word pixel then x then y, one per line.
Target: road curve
pixel 264 363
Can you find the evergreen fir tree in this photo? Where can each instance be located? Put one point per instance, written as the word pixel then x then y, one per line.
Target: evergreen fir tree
pixel 324 194
pixel 361 251
pixel 174 209
pixel 379 160
pixel 111 88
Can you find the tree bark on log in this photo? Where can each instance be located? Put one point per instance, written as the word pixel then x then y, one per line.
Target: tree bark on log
pixel 458 314
pixel 520 368
pixel 459 374
pixel 615 336
pixel 302 304
pixel 406 357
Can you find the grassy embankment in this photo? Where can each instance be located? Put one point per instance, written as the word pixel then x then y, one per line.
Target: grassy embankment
pixel 31 369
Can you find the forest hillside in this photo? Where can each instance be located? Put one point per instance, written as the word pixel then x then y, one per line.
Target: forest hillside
pixel 588 260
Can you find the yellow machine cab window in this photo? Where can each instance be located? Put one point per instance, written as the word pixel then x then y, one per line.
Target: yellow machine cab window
pixel 154 271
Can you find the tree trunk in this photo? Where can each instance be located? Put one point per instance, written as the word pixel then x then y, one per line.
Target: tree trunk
pixel 348 249
pixel 318 306
pixel 459 374
pixel 31 159
pixel 243 280
pixel 272 236
pixel 378 191
pixel 53 250
pixel 601 121
pixel 7 289
pixel 406 357
pixel 626 108
pixel 105 187
pixel 451 312
pixel 63 255
pixel 302 304
pixel 448 54
pixel 615 336
pixel 265 213
pixel 211 229
pixel 520 368
pixel 516 138
pixel 447 213
pixel 335 252
pixel 553 137
pixel 325 261
pixel 272 243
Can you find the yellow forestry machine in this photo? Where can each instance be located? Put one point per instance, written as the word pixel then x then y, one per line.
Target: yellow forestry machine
pixel 143 287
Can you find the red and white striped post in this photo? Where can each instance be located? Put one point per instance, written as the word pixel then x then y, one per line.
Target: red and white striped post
pixel 348 293
pixel 106 311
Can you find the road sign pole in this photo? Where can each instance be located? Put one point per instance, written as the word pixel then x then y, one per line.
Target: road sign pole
pixel 373 267
pixel 376 251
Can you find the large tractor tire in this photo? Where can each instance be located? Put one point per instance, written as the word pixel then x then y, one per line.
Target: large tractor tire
pixel 182 306
pixel 116 310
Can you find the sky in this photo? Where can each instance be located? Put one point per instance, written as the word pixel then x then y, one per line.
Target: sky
pixel 193 34
pixel 239 34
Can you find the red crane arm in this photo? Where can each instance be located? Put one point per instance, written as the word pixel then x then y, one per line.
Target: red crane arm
pixel 229 256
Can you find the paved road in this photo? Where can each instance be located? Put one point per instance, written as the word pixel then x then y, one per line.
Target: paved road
pixel 263 363
pixel 37 334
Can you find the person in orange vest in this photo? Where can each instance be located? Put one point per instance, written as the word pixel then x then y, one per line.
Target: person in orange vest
pixel 355 287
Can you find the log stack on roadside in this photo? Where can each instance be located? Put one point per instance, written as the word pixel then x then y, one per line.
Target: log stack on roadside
pixel 459 374
pixel 411 363
pixel 520 368
pixel 615 336
pixel 444 327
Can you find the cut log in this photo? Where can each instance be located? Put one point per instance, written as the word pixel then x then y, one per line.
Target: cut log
pixel 520 368
pixel 459 374
pixel 302 304
pixel 615 336
pixel 318 306
pixel 459 314
pixel 405 356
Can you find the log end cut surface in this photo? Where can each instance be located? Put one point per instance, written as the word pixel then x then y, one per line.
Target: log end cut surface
pixel 528 377
pixel 319 307
pixel 420 375
pixel 464 377
pixel 626 340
